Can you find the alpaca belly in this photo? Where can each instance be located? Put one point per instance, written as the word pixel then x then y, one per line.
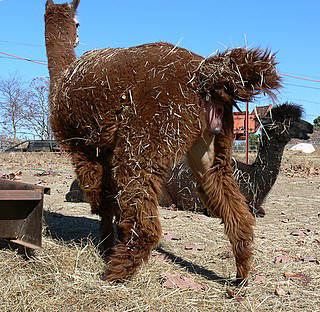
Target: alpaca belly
pixel 201 154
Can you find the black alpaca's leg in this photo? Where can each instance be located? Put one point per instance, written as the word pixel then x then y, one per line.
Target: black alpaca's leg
pixel 260 212
pixel 75 193
pixel 107 233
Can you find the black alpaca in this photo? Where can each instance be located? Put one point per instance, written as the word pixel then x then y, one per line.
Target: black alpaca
pixel 281 124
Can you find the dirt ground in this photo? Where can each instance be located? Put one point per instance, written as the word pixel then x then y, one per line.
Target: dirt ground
pixel 191 269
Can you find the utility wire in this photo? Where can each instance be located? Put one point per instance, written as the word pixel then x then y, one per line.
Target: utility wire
pixel 24 59
pixel 302 75
pixel 299 77
pixel 22 43
pixel 283 74
pixel 308 101
pixel 301 86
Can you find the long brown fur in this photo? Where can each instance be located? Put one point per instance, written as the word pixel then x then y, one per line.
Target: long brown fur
pixel 226 201
pixel 126 116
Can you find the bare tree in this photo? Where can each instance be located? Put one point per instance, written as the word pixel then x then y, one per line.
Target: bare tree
pixel 316 122
pixel 37 118
pixel 13 99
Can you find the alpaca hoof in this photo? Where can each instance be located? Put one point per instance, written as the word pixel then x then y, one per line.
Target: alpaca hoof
pixel 257 213
pixel 104 277
pixel 260 214
pixel 115 277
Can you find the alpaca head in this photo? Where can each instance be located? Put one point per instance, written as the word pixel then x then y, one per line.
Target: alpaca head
pixel 62 18
pixel 284 123
pixel 235 75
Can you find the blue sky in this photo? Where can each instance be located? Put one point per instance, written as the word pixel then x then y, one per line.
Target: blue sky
pixel 290 27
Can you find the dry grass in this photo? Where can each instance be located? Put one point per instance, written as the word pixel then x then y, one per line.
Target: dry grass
pixel 65 274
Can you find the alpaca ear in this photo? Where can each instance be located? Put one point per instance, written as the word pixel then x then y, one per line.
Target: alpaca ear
pixel 49 2
pixel 75 4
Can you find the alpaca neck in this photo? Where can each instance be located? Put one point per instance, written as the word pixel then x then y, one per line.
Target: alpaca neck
pixel 257 179
pixel 60 51
pixel 60 56
pixel 268 160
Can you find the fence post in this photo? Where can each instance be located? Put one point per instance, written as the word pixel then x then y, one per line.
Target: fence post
pixel 247 133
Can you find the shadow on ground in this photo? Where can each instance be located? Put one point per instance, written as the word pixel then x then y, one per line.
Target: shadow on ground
pixel 194 268
pixel 71 228
pixel 79 229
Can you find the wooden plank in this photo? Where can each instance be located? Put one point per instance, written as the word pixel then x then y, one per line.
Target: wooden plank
pixel 20 195
pixel 17 185
pixel 26 244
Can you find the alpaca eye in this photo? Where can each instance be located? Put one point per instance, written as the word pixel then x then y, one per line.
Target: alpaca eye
pixel 77 25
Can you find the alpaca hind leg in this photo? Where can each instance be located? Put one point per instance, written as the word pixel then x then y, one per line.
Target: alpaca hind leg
pixel 139 231
pixel 201 154
pixel 224 200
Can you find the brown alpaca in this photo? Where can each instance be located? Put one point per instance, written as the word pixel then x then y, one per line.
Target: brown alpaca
pixel 127 115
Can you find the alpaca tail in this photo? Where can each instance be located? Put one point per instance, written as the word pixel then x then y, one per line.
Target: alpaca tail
pixel 241 73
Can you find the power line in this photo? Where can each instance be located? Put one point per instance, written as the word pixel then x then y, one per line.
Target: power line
pixel 295 99
pixel 303 100
pixel 302 86
pixel 299 77
pixel 302 75
pixel 22 43
pixel 8 58
pixel 283 74
pixel 24 59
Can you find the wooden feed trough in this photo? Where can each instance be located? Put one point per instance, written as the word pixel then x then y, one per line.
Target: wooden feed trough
pixel 21 211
